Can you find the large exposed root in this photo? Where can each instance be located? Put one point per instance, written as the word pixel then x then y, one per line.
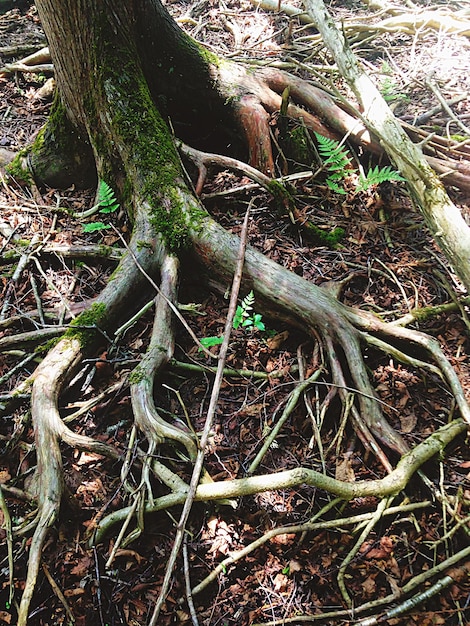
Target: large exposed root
pixel 283 294
pixel 328 115
pixel 48 381
pixel 392 484
pixel 159 352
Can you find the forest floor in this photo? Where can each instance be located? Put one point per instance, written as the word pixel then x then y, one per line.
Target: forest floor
pixel 393 267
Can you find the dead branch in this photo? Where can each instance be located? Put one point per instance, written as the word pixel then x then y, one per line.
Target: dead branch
pixel 442 216
pixel 198 465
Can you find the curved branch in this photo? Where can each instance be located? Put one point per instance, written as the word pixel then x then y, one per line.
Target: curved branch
pixel 392 484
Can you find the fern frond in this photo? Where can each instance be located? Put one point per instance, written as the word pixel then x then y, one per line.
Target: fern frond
pixel 335 157
pixel 248 301
pixel 377 175
pixel 333 185
pixel 242 314
pixel 106 198
pixel 94 227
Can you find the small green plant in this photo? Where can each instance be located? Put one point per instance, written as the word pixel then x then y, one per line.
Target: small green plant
pixel 106 198
pixel 336 161
pixel 244 317
pixel 93 227
pixel 378 175
pixel 208 342
pixel 390 91
pixel 107 203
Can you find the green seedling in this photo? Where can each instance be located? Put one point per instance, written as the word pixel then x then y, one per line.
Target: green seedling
pixel 244 317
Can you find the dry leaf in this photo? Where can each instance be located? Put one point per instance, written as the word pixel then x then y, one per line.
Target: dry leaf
pixel 294 566
pixel 274 343
pixel 4 476
pixel 369 586
pixel 344 470
pixel 408 423
pixel 280 582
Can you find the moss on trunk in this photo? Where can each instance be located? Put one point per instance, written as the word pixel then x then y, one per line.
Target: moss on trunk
pixel 60 155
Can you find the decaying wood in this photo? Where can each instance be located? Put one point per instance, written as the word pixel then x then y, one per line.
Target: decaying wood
pixel 443 218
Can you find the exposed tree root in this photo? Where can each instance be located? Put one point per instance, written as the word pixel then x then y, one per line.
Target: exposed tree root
pixel 48 381
pixel 281 292
pixel 159 352
pixel 311 526
pixel 443 218
pixel 334 118
pixel 392 484
pixel 409 23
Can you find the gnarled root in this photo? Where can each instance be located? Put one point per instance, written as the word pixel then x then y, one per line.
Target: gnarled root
pixel 48 380
pixel 261 97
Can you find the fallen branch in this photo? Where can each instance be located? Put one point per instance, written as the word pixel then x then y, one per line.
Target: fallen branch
pixel 443 218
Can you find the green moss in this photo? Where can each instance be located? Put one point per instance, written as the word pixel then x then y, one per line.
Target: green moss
pixel 152 152
pixel 13 255
pixel 105 251
pixel 18 169
pixel 208 56
pixel 281 194
pixel 84 327
pixel 59 129
pixel 45 347
pixel 59 155
pixel 145 142
pixel 330 239
pixel 300 149
pixel 137 375
pixel 144 244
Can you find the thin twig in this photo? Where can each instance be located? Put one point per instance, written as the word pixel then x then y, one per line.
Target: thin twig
pixel 207 426
pixel 9 538
pixel 187 580
pixel 311 526
pixel 444 104
pixel 290 406
pixel 58 592
pixel 382 506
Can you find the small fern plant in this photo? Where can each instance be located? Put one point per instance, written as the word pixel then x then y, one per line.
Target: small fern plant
pixel 106 204
pixel 377 175
pixel 335 160
pixel 244 317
